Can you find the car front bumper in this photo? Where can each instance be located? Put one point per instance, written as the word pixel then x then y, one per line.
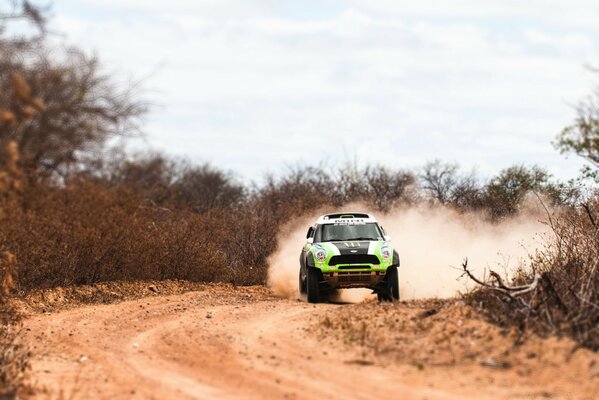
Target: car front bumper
pixel 344 279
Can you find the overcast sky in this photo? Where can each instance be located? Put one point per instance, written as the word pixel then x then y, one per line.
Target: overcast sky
pixel 253 86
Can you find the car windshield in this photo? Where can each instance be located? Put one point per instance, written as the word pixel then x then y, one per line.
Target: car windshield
pixel 341 232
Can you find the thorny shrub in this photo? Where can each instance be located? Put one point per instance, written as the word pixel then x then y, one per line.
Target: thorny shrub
pixel 565 300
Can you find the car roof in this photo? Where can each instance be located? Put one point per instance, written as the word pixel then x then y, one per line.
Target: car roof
pixel 345 217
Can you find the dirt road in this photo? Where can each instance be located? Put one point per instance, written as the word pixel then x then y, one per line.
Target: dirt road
pixel 228 345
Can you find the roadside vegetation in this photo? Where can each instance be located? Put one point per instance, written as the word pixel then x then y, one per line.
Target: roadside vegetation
pixel 85 213
pixel 74 211
pixel 18 106
pixel 558 293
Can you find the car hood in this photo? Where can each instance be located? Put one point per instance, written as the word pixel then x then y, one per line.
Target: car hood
pixel 353 246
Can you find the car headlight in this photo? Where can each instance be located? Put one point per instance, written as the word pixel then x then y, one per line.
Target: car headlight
pixel 320 254
pixel 385 252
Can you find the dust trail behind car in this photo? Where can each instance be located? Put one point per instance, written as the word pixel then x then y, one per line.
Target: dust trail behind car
pixel 430 241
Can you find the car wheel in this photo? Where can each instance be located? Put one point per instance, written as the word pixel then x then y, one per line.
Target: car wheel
pixel 393 283
pixel 382 296
pixel 302 285
pixel 313 285
pixel 391 290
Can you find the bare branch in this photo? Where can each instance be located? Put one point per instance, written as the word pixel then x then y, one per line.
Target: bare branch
pixel 512 293
pixel 587 208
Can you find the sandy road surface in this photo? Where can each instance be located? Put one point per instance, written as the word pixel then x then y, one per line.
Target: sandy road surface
pixel 226 345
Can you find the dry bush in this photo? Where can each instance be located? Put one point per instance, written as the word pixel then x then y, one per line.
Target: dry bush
pixel 14 355
pixel 559 293
pixel 9 187
pixel 87 233
pixel 503 196
pixel 148 219
pixel 308 188
pixel 133 228
pixel 18 106
pixel 175 184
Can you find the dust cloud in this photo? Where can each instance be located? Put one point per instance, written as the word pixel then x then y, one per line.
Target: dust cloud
pixel 432 243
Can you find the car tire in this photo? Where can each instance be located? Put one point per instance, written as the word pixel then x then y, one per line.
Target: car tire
pixel 302 285
pixel 393 283
pixel 382 296
pixel 313 285
pixel 391 289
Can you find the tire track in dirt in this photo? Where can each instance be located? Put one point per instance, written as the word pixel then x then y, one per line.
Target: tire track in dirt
pixel 227 344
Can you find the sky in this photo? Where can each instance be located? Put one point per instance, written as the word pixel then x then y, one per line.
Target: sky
pixel 257 86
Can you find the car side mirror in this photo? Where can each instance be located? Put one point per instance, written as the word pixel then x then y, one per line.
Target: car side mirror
pixel 310 240
pixel 310 233
pixel 387 238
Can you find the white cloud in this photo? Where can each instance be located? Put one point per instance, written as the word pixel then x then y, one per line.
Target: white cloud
pixel 207 8
pixel 251 88
pixel 577 14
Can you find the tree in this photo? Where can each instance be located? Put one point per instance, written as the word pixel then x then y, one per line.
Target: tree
pixel 387 188
pixel 151 176
pixel 202 188
pixel 582 137
pixel 439 180
pixel 83 110
pixel 445 184
pixel 172 183
pixel 506 192
pixel 80 109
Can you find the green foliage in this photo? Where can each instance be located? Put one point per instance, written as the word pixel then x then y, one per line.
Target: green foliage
pixel 506 192
pixel 582 137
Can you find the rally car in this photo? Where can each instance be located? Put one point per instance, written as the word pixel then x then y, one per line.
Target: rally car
pixel 348 250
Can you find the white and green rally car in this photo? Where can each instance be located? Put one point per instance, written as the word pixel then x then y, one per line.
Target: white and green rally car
pixel 348 250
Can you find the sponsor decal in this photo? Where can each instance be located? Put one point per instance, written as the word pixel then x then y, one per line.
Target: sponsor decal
pixel 348 221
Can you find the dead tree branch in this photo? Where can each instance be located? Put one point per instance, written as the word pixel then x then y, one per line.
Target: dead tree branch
pixel 511 292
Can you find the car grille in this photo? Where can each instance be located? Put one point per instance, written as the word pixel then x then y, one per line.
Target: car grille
pixel 354 277
pixel 354 259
